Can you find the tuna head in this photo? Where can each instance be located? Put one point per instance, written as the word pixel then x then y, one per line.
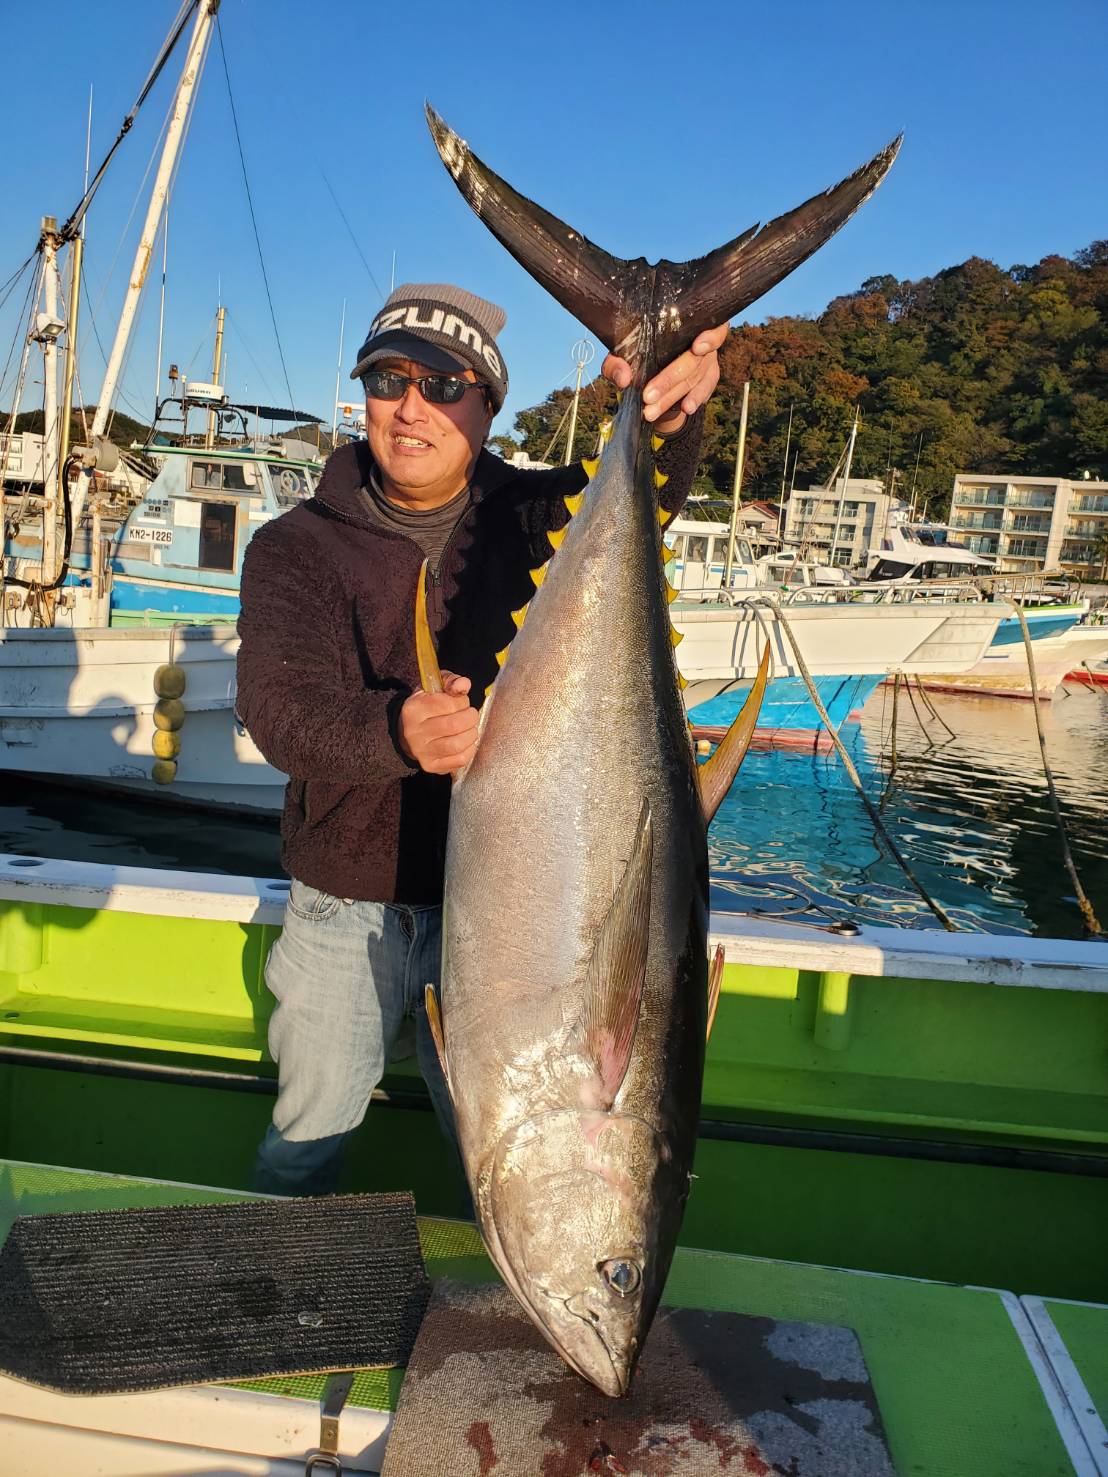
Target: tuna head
pixel 584 1207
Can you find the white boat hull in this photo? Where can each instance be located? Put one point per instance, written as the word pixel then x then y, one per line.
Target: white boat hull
pixel 835 639
pixel 1004 672
pixel 79 705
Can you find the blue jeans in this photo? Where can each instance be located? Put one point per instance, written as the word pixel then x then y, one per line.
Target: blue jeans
pixel 346 976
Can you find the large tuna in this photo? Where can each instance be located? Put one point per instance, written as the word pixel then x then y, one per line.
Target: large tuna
pixel 572 1014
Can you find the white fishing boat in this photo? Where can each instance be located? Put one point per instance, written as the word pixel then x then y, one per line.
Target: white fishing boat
pixel 847 641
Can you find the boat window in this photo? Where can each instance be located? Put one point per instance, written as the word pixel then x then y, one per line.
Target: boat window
pixel 697 549
pixel 890 569
pixel 291 484
pixel 217 536
pixel 222 476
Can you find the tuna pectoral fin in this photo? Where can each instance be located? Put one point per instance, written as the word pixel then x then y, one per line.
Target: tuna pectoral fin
pixel 428 659
pixel 717 774
pixel 434 1020
pixel 715 980
pixel 610 295
pixel 617 972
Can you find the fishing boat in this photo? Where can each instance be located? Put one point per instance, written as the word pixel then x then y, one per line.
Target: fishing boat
pixel 903 1131
pixel 846 641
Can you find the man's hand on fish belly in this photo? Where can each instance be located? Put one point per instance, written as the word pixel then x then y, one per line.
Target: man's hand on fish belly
pixel 682 387
pixel 438 730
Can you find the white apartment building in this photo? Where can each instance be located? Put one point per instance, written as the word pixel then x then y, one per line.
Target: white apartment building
pixel 860 510
pixel 1031 523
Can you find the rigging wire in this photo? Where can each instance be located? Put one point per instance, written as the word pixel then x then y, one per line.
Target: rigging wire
pixel 350 232
pixel 233 323
pixel 73 224
pixel 138 414
pixel 253 217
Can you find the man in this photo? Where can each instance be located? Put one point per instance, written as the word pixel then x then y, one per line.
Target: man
pixel 328 686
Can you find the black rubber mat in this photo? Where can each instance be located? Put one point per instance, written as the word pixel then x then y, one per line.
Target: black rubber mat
pixel 716 1394
pixel 117 1300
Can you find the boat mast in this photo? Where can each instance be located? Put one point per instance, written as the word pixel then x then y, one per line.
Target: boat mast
pixel 736 491
pixel 49 327
pixel 846 480
pixel 784 475
pixel 221 313
pixel 174 136
pixel 338 375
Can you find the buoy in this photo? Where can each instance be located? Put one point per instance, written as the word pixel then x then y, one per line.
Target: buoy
pixel 169 713
pixel 170 680
pixel 164 771
pixel 166 745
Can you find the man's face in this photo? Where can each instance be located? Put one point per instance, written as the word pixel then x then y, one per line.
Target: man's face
pixel 425 452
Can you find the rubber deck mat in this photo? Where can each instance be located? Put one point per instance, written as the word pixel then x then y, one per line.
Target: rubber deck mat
pixel 716 1394
pixel 118 1300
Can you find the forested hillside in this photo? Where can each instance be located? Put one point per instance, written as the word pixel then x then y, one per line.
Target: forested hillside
pixel 976 369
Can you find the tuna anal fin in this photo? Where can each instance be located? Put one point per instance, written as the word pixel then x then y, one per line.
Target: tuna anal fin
pixel 720 770
pixel 617 972
pixel 434 1020
pixel 429 674
pixel 715 980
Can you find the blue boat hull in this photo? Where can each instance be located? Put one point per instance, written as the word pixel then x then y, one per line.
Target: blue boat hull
pixel 788 711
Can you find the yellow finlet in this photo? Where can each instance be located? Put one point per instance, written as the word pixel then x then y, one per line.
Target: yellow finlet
pixel 671 592
pixel 657 442
pixel 668 554
pixel 660 478
pixel 574 500
pixel 519 616
pixel 538 575
pixel 682 682
pixel 664 515
pixel 501 657
pixel 556 536
pixel 676 636
pixel 606 430
pixel 591 466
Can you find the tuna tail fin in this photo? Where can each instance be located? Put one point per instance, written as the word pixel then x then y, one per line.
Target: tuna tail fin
pixel 678 300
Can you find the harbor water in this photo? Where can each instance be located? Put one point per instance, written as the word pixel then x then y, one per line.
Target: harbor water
pixel 968 808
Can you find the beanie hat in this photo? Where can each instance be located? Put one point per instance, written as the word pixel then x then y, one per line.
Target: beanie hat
pixel 441 326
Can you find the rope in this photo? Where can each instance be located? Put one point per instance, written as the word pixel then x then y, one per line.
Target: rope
pixel 1092 923
pixel 848 763
pixel 253 217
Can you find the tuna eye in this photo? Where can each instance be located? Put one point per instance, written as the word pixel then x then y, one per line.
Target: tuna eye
pixel 621 1276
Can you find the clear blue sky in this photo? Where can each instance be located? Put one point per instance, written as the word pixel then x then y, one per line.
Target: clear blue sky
pixel 656 129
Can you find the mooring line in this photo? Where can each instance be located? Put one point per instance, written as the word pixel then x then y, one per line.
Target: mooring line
pixel 848 763
pixel 1092 923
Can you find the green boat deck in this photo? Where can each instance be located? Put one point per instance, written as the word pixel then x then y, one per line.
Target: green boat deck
pixel 961 1378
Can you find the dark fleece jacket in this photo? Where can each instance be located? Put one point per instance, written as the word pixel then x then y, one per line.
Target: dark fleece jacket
pixel 328 657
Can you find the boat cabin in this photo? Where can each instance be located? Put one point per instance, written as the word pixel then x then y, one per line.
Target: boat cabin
pixel 925 551
pixel 180 550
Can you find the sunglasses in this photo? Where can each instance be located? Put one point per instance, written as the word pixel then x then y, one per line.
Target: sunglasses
pixel 436 389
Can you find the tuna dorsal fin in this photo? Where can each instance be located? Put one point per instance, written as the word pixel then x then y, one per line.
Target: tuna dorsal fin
pixel 429 674
pixel 715 980
pixel 717 774
pixel 677 300
pixel 617 971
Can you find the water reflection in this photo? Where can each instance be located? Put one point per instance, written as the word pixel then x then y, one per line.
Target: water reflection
pixel 970 810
